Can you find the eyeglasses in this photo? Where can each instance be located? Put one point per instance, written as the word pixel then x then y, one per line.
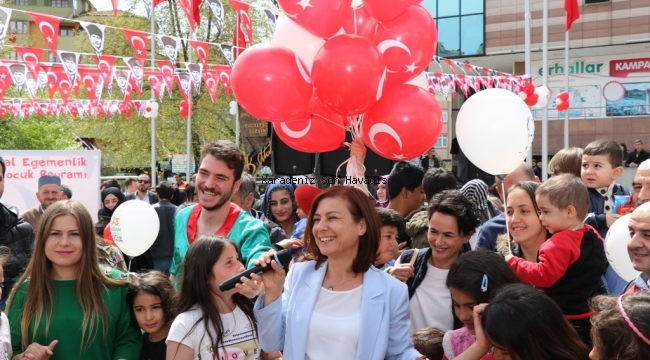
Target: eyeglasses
pixel 143 181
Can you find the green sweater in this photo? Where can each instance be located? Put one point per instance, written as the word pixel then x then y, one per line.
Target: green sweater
pixel 123 339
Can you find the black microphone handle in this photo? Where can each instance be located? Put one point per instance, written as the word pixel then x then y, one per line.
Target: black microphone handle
pixel 282 258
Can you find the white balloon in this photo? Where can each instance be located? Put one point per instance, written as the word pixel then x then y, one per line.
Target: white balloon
pixel 420 81
pixel 541 103
pixel 291 35
pixel 495 130
pixel 523 95
pixel 616 249
pixel 134 227
pixel 542 91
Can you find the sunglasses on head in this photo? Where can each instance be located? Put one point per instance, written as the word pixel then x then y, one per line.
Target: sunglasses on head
pixel 143 181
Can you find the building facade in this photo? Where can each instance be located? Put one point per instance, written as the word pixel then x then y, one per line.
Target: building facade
pixel 609 60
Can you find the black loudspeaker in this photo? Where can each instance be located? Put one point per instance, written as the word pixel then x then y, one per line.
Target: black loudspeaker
pixel 287 161
pixel 375 164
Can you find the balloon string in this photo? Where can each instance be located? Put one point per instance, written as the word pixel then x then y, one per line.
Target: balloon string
pixel 505 206
pixel 330 121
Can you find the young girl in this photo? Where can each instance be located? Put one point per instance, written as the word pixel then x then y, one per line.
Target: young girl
pixel 64 306
pixel 151 296
pixel 5 336
pixel 280 206
pixel 213 324
pixel 522 323
pixel 621 327
pixel 472 279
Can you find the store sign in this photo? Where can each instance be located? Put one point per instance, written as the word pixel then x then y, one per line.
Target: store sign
pixel 579 67
pixel 622 68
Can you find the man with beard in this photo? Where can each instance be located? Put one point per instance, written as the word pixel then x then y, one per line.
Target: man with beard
pixel 219 176
pixel 49 192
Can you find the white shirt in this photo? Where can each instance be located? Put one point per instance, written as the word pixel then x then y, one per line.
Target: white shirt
pixel 239 339
pixel 431 303
pixel 335 324
pixel 145 198
pixel 5 338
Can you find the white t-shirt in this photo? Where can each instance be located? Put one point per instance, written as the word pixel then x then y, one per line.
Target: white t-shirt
pixel 239 340
pixel 5 338
pixel 431 303
pixel 335 323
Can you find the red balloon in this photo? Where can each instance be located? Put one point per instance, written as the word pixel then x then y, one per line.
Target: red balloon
pixel 408 43
pixel 323 18
pixel 564 96
pixel 531 99
pixel 357 20
pixel 404 124
pixel 272 84
pixel 323 131
pixel 349 74
pixel 385 10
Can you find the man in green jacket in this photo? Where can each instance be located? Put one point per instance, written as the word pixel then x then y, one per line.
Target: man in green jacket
pixel 219 176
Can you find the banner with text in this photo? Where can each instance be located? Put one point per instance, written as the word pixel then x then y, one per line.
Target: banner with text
pixel 78 169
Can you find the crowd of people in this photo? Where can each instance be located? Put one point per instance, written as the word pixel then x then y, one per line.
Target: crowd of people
pixel 420 267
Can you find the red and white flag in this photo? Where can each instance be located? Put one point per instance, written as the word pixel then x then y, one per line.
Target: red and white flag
pixel 139 41
pixel 32 58
pixel 223 72
pixel 168 73
pixel 211 82
pixel 105 65
pixel 5 80
pixel 49 27
pixel 240 41
pixel 572 13
pixel 201 48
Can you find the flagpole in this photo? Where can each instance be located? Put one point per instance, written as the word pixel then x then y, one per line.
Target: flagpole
pixel 153 98
pixel 545 83
pixel 566 86
pixel 188 136
pixel 529 158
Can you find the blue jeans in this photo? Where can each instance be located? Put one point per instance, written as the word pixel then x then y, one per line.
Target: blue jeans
pixel 162 264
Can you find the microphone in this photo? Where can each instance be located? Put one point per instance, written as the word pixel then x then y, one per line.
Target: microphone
pixel 281 257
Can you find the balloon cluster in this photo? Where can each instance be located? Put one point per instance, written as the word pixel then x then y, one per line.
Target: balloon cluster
pixel 333 63
pixel 532 96
pixel 562 101
pixel 151 110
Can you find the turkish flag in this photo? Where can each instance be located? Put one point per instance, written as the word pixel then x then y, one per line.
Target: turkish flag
pixel 572 13
pixel 32 58
pixel 65 88
pixel 49 27
pixel 202 50
pixel 224 76
pixel 196 5
pixel 139 42
pixel 211 82
pixel 186 5
pixel 105 67
pixel 157 82
pixel 168 73
pixel 239 40
pixel 90 81
pixel 54 74
pixel 5 80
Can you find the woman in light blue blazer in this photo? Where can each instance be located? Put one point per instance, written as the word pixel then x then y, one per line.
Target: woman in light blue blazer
pixel 336 305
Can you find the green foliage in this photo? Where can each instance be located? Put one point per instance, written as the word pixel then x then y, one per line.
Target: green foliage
pixel 34 133
pixel 126 141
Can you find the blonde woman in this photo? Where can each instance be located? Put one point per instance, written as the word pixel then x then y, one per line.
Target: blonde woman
pixel 64 306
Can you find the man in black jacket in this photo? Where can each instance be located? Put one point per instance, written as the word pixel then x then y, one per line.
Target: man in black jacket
pixel 636 157
pixel 18 236
pixel 162 249
pixel 143 193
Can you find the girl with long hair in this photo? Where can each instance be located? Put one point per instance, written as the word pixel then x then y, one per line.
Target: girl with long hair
pixel 213 324
pixel 152 297
pixel 472 279
pixel 280 206
pixel 522 323
pixel 64 306
pixel 621 327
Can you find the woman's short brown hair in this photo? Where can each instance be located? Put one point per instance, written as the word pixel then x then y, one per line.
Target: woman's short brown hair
pixel 361 208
